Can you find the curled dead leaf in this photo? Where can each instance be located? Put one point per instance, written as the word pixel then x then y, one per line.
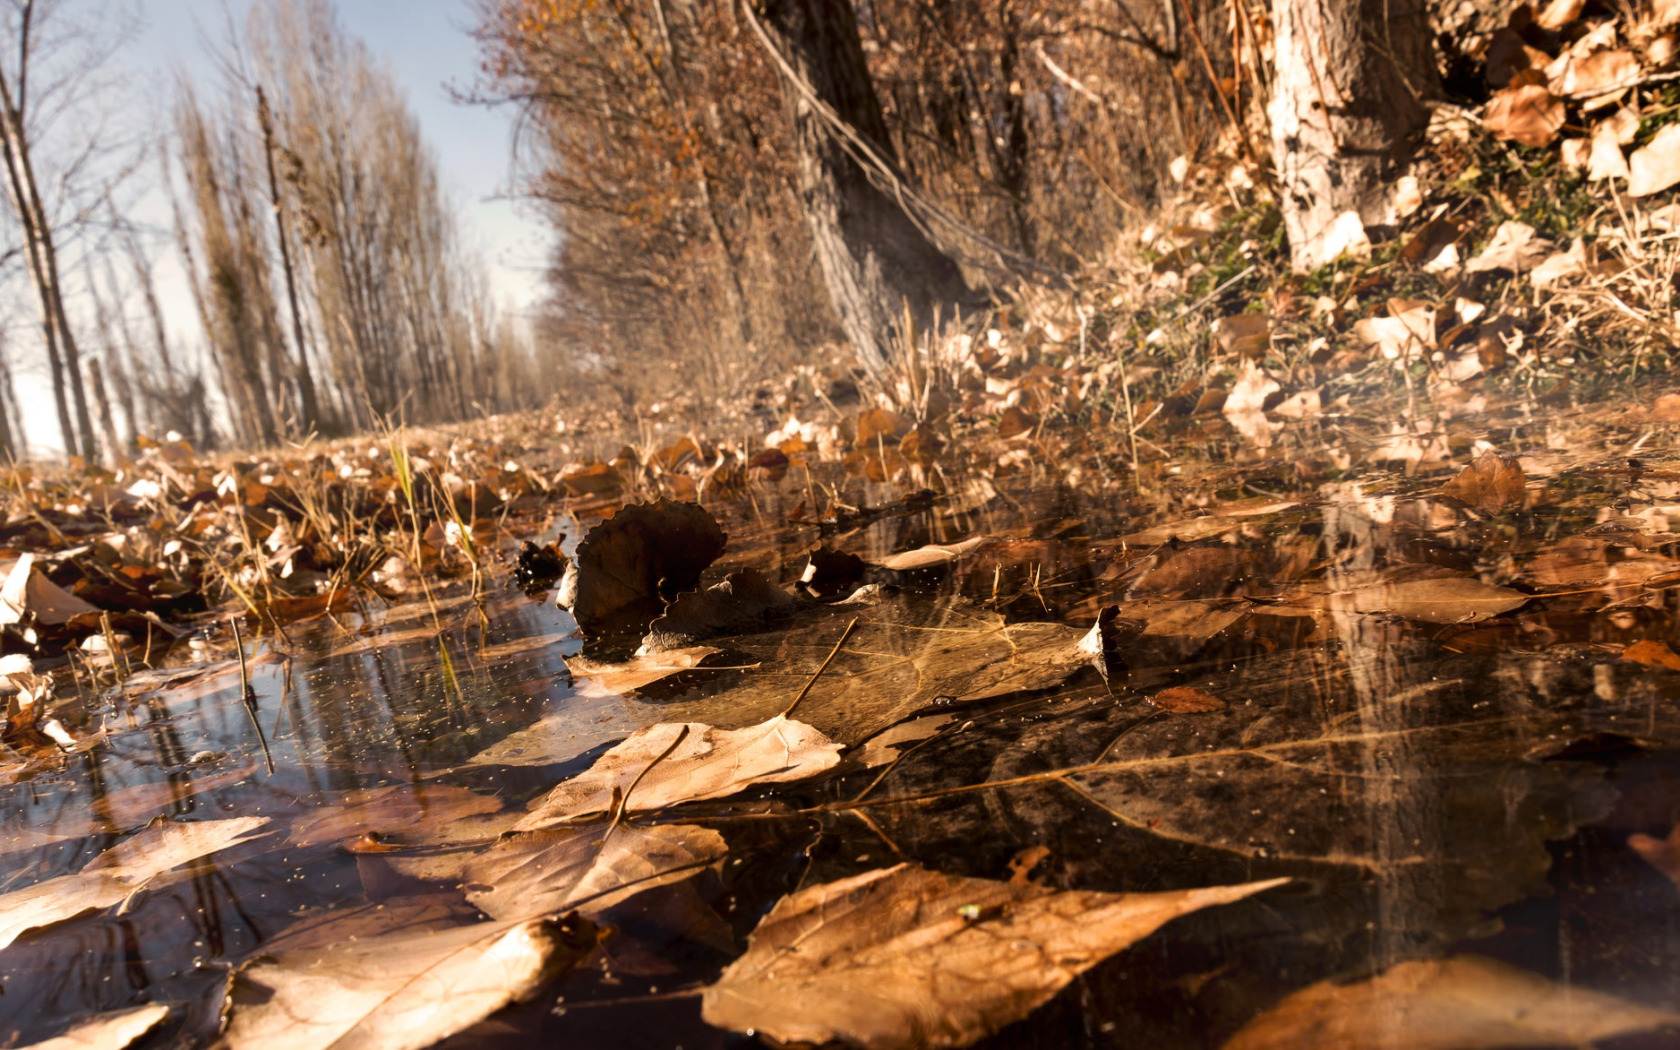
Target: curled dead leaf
pixel 1491 484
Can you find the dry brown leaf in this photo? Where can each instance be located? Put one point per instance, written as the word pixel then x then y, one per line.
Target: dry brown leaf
pixel 110 1031
pixel 1463 1003
pixel 1491 484
pixel 1448 599
pixel 1015 421
pixel 1558 13
pixel 1597 73
pixel 1662 854
pixel 930 556
pixel 1244 408
pixel 384 984
pixel 1514 247
pixel 705 762
pixel 1656 166
pixel 119 872
pixel 1527 113
pixel 588 869
pixel 1187 700
pixel 28 596
pixel 1652 654
pixel 387 809
pixel 909 957
pixel 881 424
pixel 1247 335
pixel 1402 336
pixel 1606 160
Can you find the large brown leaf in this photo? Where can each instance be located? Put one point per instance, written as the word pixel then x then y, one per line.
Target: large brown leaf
pixel 119 872
pixel 905 956
pixel 111 1031
pixel 377 980
pixel 588 869
pixel 642 554
pixel 1464 1003
pixel 677 762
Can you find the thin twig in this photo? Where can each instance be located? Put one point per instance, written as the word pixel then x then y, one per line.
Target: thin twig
pixel 624 799
pixel 847 633
pixel 246 697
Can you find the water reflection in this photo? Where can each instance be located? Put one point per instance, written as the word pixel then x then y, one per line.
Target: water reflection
pixel 1432 782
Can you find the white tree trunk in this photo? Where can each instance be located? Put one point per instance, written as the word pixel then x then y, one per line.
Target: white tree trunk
pixel 1346 107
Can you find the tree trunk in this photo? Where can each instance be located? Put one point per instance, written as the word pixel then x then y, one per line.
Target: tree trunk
pixel 305 380
pixel 43 269
pixel 1346 103
pixel 874 258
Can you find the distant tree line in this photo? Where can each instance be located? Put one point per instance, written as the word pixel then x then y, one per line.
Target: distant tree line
pixel 325 267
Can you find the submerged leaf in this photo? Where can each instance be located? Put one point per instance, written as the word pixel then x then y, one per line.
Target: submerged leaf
pixel 905 956
pixel 1441 599
pixel 388 808
pixel 1464 1003
pixel 705 762
pixel 119 872
pixel 1491 484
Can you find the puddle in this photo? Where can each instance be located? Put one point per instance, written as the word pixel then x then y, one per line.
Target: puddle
pixel 1442 724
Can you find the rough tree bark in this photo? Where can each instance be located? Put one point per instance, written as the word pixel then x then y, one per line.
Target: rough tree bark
pixel 305 380
pixel 1346 104
pixel 873 256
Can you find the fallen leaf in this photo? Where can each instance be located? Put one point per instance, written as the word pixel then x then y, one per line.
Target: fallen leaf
pixel 1558 13
pixel 905 956
pixel 1244 408
pixel 1662 854
pixel 108 1031
pixel 1491 484
pixel 1597 73
pixel 1402 336
pixel 588 869
pixel 931 555
pixel 705 762
pixel 1606 160
pixel 1015 421
pixel 1652 654
pixel 1187 700
pixel 1656 166
pixel 881 424
pixel 1514 247
pixel 1462 1003
pixel 28 596
pixel 1561 266
pixel 626 567
pixel 1527 113
pixel 388 808
pixel 1445 599
pixel 119 872
pixel 386 985
pixel 742 599
pixel 1247 335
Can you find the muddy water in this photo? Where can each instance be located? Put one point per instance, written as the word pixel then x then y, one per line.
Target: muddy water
pixel 1440 771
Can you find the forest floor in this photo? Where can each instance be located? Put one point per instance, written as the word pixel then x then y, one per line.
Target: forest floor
pixel 1196 655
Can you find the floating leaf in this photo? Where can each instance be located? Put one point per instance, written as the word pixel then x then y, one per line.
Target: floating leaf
pixel 109 1031
pixel 1652 654
pixel 905 956
pixel 931 556
pixel 1187 700
pixel 588 868
pixel 388 808
pixel 386 984
pixel 1463 1003
pixel 1444 599
pixel 119 872
pixel 1491 484
pixel 705 762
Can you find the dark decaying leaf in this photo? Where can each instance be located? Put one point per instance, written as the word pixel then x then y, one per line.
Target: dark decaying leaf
pixel 906 957
pixel 538 565
pixel 628 566
pixel 1462 1003
pixel 391 978
pixel 741 600
pixel 831 574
